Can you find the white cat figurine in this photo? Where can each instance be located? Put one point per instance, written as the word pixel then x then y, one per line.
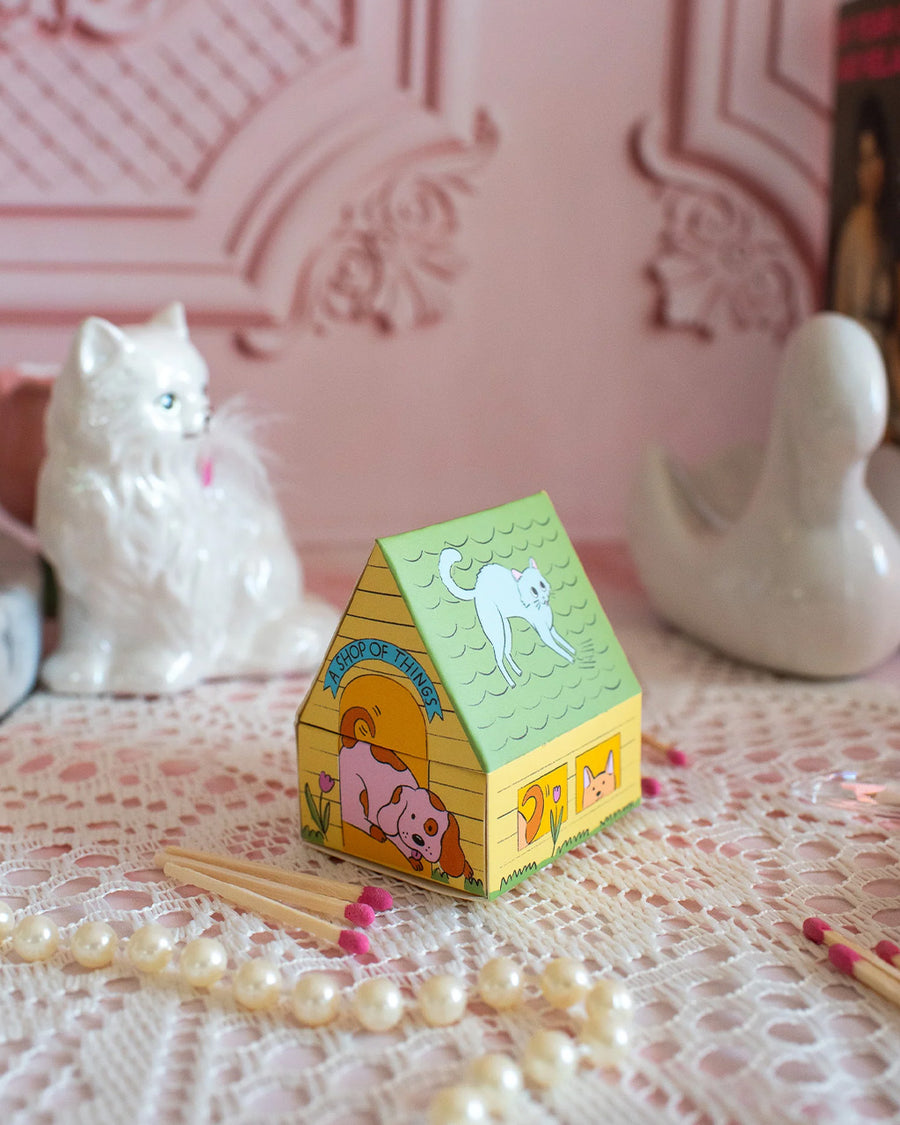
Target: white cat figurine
pixel 500 594
pixel 171 557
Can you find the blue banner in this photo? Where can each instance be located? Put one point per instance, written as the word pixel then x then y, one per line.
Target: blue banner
pixel 388 653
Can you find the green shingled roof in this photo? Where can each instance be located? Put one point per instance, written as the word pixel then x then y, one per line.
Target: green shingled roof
pixel 552 695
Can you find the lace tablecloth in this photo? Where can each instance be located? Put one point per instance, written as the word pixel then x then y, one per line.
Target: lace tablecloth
pixel 694 899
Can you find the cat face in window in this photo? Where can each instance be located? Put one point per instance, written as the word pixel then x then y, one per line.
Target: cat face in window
pixel 599 785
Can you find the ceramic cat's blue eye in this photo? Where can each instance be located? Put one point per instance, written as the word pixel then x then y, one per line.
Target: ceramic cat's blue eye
pixel 166 401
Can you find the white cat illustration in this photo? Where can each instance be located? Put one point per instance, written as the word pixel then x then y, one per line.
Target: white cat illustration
pixel 500 594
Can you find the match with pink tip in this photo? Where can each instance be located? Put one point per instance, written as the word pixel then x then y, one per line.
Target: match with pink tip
pixel 853 964
pixel 819 931
pixel 671 754
pixel 359 914
pixel 275 894
pixel 352 941
pixel 376 897
pixel 815 929
pixel 650 787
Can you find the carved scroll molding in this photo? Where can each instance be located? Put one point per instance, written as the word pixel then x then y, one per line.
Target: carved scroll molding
pixel 742 164
pixel 722 260
pixel 391 258
pixel 209 156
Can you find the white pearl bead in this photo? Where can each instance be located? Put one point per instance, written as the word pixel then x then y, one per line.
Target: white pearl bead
pixel 550 1058
pixel 7 920
pixel 378 1004
pixel 94 945
pixel 35 938
pixel 442 1000
pixel 457 1105
pixel 497 1079
pixel 257 985
pixel 606 1038
pixel 607 995
pixel 316 999
pixel 150 948
pixel 564 982
pixel 500 983
pixel 203 961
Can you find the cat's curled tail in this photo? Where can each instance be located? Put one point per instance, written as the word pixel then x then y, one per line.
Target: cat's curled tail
pixel 450 556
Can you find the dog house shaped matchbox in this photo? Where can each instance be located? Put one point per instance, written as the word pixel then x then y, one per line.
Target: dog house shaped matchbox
pixel 475 716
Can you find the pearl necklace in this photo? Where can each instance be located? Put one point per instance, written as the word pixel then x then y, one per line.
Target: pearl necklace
pixel 491 1081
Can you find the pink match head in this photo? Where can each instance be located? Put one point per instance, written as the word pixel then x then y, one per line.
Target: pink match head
pixel 678 758
pixel 377 898
pixel 843 958
pixel 650 787
pixel 814 929
pixel 352 941
pixel 359 914
pixel 887 951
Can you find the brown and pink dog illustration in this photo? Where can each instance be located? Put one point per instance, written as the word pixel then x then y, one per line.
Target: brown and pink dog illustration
pixel 381 797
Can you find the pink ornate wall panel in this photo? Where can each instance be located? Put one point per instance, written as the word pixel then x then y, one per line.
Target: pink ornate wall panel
pixel 427 225
pixel 743 157
pixel 205 147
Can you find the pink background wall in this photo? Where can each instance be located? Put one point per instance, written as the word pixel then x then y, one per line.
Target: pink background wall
pixel 613 255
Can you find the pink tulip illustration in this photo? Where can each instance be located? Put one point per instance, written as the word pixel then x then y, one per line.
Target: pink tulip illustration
pixel 320 811
pixel 556 815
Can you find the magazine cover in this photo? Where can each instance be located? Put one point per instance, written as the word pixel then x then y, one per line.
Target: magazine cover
pixel 864 252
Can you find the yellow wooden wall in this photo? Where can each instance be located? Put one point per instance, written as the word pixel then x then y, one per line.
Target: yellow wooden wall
pixel 378 610
pixel 562 759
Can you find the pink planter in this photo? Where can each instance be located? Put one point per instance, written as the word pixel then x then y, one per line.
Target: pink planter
pixel 24 391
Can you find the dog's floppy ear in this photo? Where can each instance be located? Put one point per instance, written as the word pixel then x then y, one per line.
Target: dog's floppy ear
pixel 97 343
pixel 452 859
pixel 389 814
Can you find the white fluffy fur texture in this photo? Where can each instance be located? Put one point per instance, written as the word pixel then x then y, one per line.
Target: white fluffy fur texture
pixel 170 552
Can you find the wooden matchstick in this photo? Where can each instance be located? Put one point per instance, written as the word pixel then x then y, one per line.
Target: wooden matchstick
pixel 874 976
pixel 821 933
pixel 672 755
pixel 376 897
pixel 352 941
pixel 358 913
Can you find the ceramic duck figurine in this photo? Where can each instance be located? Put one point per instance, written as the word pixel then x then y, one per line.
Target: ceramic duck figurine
pixel 797 568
